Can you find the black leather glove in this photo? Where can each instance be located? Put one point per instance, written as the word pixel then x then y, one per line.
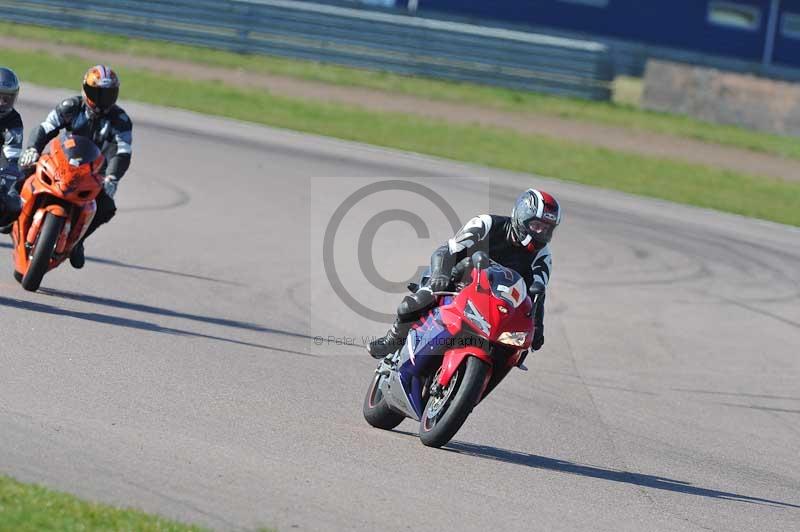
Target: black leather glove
pixel 439 282
pixel 538 339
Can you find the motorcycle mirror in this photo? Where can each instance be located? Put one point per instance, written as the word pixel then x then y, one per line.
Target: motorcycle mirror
pixel 481 260
pixel 536 289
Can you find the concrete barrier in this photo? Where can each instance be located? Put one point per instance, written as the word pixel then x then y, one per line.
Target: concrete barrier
pixel 723 97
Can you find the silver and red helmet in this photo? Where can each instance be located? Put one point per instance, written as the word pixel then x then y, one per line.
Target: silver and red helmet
pixel 535 217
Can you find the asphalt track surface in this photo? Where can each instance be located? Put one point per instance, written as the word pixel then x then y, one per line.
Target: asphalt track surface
pixel 178 372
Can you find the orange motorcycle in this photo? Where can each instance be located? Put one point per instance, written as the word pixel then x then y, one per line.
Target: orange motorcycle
pixel 58 205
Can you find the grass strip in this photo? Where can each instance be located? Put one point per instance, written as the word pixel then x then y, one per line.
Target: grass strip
pixel 760 197
pixel 616 114
pixel 32 508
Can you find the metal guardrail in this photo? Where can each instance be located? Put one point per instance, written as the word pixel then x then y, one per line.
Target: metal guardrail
pixel 347 36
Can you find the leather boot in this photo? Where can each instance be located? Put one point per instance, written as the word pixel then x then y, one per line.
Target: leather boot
pixel 394 340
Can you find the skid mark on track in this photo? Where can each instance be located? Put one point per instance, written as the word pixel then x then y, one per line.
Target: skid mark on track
pixel 764 408
pixel 183 198
pixel 759 311
pixel 739 394
pixel 610 438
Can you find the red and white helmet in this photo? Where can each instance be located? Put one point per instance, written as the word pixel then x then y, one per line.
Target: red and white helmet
pixel 535 217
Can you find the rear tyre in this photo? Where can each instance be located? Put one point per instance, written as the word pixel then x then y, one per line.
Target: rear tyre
pixel 446 413
pixel 376 410
pixel 43 251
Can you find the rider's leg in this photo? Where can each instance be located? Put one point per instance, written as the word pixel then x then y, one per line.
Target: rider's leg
pixel 11 206
pixel 409 311
pixel 106 209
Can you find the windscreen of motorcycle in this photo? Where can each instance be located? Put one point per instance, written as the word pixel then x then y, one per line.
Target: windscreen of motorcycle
pixel 507 285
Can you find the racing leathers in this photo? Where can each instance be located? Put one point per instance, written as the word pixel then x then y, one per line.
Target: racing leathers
pixel 10 139
pixel 489 233
pixel 10 150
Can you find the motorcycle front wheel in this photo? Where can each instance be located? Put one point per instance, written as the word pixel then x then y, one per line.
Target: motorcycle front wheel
pixel 42 251
pixel 376 410
pixel 446 412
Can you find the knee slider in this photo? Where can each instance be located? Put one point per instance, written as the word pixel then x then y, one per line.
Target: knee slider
pixel 407 309
pixel 424 299
pixel 105 215
pixel 414 305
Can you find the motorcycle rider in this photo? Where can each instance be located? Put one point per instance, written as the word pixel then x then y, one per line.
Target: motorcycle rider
pixel 519 242
pixel 10 146
pixel 93 114
pixel 10 121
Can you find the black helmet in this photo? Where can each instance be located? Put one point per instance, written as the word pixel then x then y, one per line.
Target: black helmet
pixel 534 218
pixel 100 88
pixel 9 88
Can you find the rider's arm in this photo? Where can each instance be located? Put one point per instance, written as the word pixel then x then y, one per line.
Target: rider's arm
pixel 446 256
pixel 538 312
pixel 120 159
pixel 55 122
pixel 542 264
pixel 11 141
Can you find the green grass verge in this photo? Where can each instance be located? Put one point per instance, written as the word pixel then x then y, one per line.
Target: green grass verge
pixel 696 185
pixel 615 114
pixel 31 508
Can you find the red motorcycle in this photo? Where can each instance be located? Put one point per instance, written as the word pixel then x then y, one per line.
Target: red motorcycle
pixel 455 356
pixel 58 206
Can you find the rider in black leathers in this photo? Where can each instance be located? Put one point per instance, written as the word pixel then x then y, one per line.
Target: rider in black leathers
pixel 10 146
pixel 519 242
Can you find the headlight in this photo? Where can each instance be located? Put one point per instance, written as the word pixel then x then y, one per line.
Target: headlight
pixel 513 338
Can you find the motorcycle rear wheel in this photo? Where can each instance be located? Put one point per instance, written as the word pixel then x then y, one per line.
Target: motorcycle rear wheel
pixel 376 410
pixel 441 421
pixel 43 251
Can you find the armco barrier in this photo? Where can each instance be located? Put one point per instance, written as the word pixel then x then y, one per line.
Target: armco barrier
pixel 379 40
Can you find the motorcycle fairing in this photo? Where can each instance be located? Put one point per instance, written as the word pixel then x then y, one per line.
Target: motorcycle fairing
pixel 37 200
pixel 421 355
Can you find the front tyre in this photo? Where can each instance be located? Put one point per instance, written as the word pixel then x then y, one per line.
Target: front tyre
pixel 447 411
pixel 376 410
pixel 43 251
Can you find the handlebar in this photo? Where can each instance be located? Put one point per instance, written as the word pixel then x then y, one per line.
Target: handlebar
pixel 481 260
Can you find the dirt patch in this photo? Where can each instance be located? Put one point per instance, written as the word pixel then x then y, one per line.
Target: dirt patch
pixel 614 138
